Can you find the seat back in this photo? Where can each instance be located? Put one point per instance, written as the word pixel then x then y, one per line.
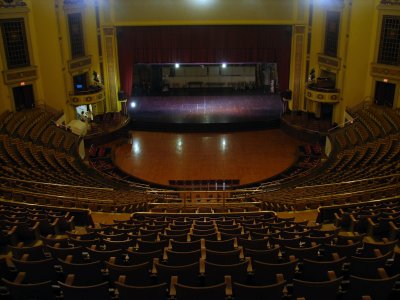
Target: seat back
pixel 182 258
pixel 38 270
pixel 138 257
pixel 375 288
pixel 135 274
pixel 253 292
pixel 316 270
pixel 266 255
pixel 215 292
pixel 225 245
pixel 37 291
pixel 128 292
pixel 309 290
pixel 179 246
pixel 188 274
pixel 223 257
pixel 215 273
pixel 85 273
pixel 98 291
pixel 264 273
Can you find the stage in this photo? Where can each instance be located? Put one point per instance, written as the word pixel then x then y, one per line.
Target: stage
pixel 210 112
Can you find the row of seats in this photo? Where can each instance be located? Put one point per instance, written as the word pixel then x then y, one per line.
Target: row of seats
pixel 86 265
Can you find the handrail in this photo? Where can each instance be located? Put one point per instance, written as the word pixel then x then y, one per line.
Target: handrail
pixel 205 203
pixel 342 124
pixel 348 193
pixel 201 191
pixel 347 182
pixel 24 192
pixel 56 184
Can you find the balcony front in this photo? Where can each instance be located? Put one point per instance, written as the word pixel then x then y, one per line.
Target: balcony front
pixel 323 94
pixel 91 95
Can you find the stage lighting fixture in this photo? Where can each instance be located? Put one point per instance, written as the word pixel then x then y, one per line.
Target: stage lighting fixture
pixel 224 65
pixel 133 104
pixel 177 66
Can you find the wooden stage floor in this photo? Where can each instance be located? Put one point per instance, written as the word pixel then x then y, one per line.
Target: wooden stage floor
pixel 249 156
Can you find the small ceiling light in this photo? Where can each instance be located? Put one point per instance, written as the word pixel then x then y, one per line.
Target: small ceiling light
pixel 133 104
pixel 177 66
pixel 224 65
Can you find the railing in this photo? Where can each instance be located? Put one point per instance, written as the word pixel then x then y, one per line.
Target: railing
pixel 348 182
pixel 56 184
pixel 190 198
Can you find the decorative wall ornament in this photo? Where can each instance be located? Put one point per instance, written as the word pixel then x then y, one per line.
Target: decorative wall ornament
pixel 390 2
pixel 12 3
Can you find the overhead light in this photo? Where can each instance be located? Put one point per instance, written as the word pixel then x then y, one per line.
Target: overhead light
pixel 133 104
pixel 223 65
pixel 177 66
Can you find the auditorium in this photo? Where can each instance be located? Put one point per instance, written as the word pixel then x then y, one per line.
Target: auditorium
pixel 200 149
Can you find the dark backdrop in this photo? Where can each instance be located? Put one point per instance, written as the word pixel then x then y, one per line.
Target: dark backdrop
pixel 203 44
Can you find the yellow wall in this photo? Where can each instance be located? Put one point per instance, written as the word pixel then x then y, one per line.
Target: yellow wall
pixel 184 12
pixel 50 85
pixel 362 33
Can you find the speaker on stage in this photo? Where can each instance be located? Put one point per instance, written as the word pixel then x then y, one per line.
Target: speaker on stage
pixel 287 95
pixel 121 96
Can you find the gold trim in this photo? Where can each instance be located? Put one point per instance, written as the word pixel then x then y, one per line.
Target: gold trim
pixel 21 74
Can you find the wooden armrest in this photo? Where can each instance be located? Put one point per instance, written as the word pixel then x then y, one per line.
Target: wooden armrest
pixel 279 278
pixel 25 257
pixel 382 273
pixel 112 260
pixel 122 279
pixel 172 290
pixel 377 252
pixel 235 243
pixel 241 253
pixel 70 279
pixel 393 226
pixel 165 256
pixel 370 222
pixel 20 244
pixel 335 256
pixel 12 230
pixel 202 265
pixel 20 277
pixel 331 275
pixel 36 226
pixel 130 249
pixel 69 258
pixel 93 247
pixel 203 252
pixel 55 222
pixel 249 266
pixel 228 288
pixel 156 260
pixel 292 258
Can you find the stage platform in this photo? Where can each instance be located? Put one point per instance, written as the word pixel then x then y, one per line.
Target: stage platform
pixel 198 112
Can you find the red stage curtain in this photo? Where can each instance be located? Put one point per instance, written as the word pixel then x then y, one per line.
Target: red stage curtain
pixel 203 44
